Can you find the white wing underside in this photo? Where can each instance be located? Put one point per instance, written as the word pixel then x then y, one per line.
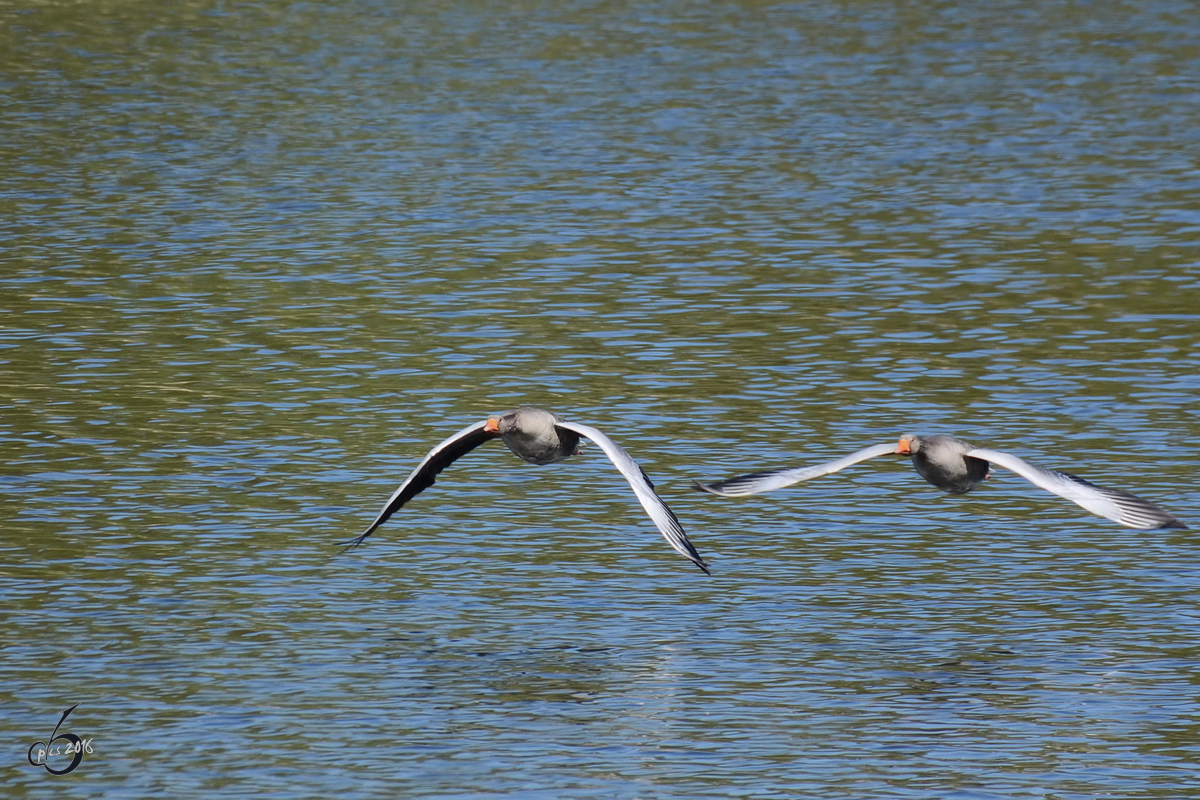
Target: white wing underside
pixel 758 482
pixel 1114 504
pixel 664 519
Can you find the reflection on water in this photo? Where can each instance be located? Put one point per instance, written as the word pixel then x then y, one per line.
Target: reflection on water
pixel 258 260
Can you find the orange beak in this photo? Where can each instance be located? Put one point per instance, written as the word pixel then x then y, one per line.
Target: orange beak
pixel 493 425
pixel 902 447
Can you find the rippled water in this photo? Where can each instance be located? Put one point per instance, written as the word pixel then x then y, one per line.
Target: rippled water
pixel 257 259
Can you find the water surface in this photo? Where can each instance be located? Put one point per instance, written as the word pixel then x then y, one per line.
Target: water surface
pixel 258 258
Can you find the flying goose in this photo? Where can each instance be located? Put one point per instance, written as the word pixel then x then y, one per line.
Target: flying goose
pixel 539 437
pixel 956 467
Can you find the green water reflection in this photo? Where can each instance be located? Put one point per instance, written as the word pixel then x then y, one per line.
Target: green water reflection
pixel 258 258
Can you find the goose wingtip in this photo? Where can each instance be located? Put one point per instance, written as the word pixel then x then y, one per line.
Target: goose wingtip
pixel 351 544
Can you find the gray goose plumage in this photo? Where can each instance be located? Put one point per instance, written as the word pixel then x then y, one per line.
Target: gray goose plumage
pixel 539 437
pixel 956 467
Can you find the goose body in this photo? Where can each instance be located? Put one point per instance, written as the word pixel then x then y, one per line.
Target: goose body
pixel 944 462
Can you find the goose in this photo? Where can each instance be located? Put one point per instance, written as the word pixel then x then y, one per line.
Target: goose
pixel 539 437
pixel 957 467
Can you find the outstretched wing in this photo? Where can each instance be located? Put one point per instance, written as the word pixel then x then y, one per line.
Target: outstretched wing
pixel 423 476
pixel 757 482
pixel 1115 504
pixel 664 519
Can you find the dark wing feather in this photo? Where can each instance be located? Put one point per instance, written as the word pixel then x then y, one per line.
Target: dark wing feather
pixel 423 476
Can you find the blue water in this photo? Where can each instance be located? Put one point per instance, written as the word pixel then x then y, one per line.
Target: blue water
pixel 258 259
